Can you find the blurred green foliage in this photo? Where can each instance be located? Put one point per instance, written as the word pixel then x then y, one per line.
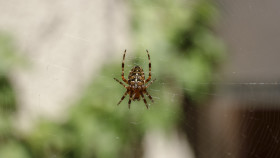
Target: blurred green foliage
pixel 185 53
pixel 180 32
pixel 10 143
pixel 8 56
pixel 97 127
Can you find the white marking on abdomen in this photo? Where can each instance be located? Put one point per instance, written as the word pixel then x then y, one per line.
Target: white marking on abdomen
pixel 136 76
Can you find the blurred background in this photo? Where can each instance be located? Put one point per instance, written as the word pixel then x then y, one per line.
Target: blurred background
pixel 215 61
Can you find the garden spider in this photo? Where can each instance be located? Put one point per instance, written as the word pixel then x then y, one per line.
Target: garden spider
pixel 136 83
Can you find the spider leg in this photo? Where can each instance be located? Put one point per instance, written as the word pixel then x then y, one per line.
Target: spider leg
pixel 133 96
pixel 122 98
pixel 149 96
pixel 150 83
pixel 123 68
pixel 129 101
pixel 150 68
pixel 145 101
pixel 120 82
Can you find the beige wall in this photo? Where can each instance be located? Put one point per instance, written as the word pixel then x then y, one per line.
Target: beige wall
pixel 66 42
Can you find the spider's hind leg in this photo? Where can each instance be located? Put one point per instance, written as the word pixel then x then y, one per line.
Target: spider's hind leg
pixel 150 97
pixel 129 101
pixel 145 101
pixel 122 98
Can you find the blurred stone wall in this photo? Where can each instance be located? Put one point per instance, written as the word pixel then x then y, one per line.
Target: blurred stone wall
pixel 230 125
pixel 251 32
pixel 66 43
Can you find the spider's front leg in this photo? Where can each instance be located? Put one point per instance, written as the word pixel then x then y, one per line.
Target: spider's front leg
pixel 150 68
pixel 150 83
pixel 123 68
pixel 120 82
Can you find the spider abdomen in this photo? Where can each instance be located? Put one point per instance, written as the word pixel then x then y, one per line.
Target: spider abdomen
pixel 136 77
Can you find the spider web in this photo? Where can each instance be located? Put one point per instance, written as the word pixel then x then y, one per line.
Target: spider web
pixel 252 111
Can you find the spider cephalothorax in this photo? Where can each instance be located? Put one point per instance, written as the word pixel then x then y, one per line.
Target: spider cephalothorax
pixel 136 83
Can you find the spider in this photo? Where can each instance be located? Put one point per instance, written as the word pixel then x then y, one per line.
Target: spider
pixel 136 83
